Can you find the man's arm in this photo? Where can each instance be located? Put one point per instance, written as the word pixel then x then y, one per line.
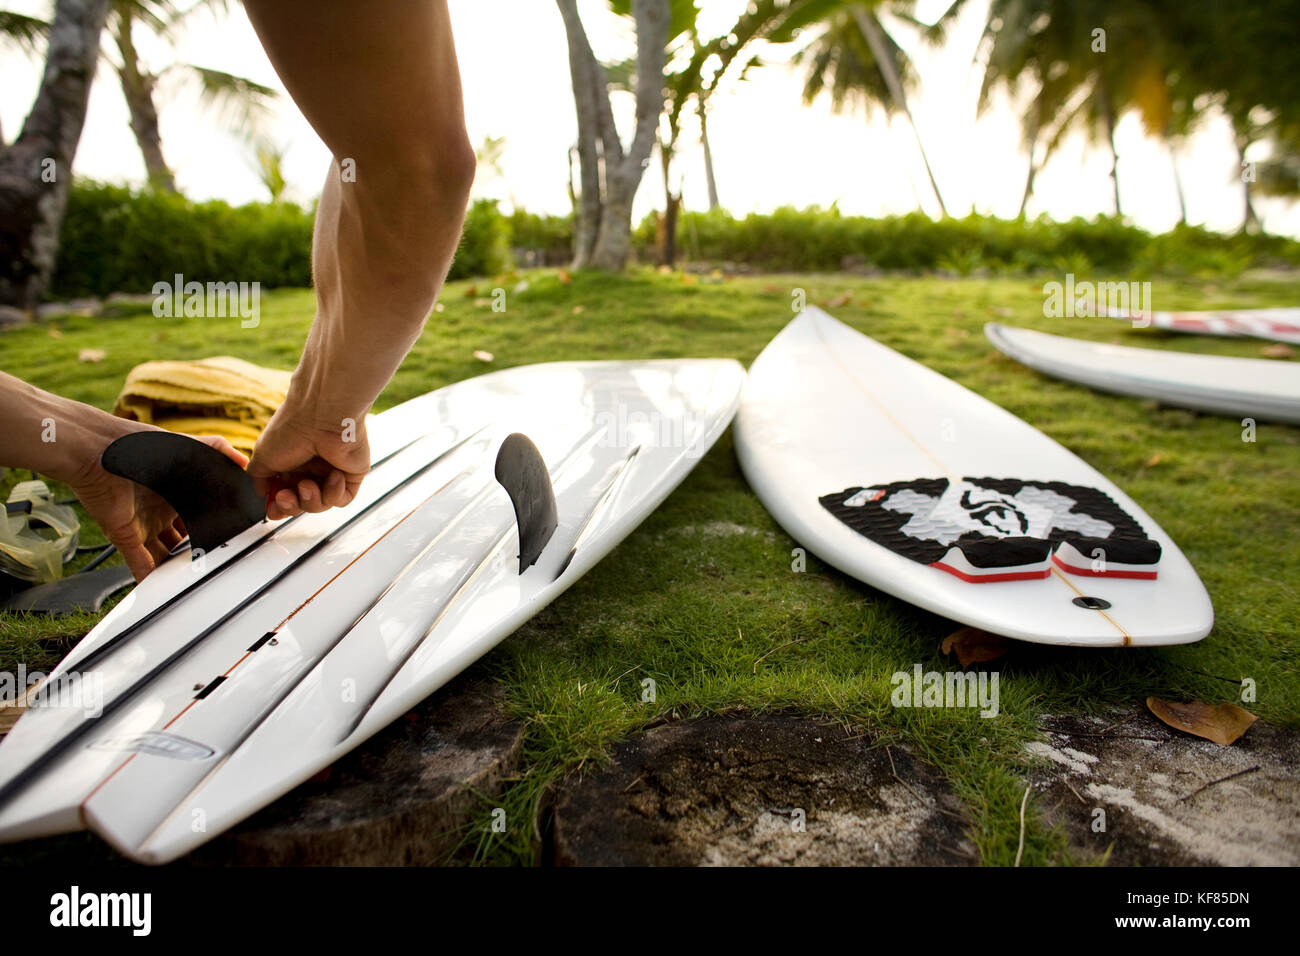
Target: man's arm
pixel 380 84
pixel 51 435
pixel 63 440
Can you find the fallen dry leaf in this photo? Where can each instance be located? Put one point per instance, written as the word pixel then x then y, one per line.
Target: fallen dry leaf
pixel 840 301
pixel 1154 460
pixel 579 309
pixel 565 277
pixel 483 355
pixel 774 289
pixel 471 291
pixel 55 333
pixel 1278 350
pixel 1221 723
pixel 974 646
pixel 91 355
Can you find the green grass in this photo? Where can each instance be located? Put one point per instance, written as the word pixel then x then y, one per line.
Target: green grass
pixel 702 598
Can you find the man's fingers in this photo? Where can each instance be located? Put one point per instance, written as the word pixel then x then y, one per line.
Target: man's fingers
pixel 335 486
pixel 136 557
pixel 287 501
pixel 227 449
pixel 350 492
pixel 310 496
pixel 157 550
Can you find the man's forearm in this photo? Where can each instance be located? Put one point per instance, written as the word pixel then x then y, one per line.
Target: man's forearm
pixel 382 249
pixel 53 436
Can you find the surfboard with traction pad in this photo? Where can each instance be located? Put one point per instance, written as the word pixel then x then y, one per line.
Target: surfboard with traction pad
pixel 1276 325
pixel 909 482
pixel 228 677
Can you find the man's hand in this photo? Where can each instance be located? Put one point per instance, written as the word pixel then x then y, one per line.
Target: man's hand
pixel 137 521
pixel 305 467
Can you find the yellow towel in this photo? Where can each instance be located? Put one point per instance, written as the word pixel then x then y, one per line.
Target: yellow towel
pixel 214 396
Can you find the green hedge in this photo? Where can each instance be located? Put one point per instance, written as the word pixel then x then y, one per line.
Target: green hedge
pixel 545 240
pixel 116 239
pixel 121 240
pixel 824 240
pixel 484 245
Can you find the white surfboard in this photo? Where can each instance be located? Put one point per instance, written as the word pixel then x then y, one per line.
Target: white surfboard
pixel 903 479
pixel 1277 325
pixel 224 683
pixel 1263 389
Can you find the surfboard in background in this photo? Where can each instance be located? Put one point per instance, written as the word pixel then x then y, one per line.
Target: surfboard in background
pixel 1277 325
pixel 218 685
pixel 909 482
pixel 1263 389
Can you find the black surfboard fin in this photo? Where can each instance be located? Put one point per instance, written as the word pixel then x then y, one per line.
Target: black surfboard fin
pixel 83 591
pixel 213 495
pixel 522 472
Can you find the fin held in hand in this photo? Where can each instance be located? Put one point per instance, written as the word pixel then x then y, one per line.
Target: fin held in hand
pixel 212 494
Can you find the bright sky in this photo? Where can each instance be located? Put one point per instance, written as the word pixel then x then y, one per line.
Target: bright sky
pixel 769 149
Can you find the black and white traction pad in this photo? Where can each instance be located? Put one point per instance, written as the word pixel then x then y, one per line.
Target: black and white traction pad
pixel 985 530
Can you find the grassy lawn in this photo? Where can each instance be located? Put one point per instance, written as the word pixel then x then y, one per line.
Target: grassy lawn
pixel 702 597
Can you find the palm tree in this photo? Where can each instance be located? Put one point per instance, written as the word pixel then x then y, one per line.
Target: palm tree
pixel 24 33
pixel 610 172
pixel 35 170
pixel 489 156
pixel 1085 63
pixel 1011 62
pixel 1279 175
pixel 241 102
pixel 856 60
pixel 268 163
pixel 705 64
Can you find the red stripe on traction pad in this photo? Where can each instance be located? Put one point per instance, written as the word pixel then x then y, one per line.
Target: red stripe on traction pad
pixel 993 578
pixel 1089 573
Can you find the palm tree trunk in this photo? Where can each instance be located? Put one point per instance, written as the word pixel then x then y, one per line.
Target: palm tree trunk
pixel 137 90
pixel 708 160
pixel 667 231
pixel 1108 115
pixel 587 221
pixel 573 192
pixel 1178 185
pixel 1029 187
pixel 604 230
pixel 36 171
pixel 875 35
pixel 1031 135
pixel 1250 219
